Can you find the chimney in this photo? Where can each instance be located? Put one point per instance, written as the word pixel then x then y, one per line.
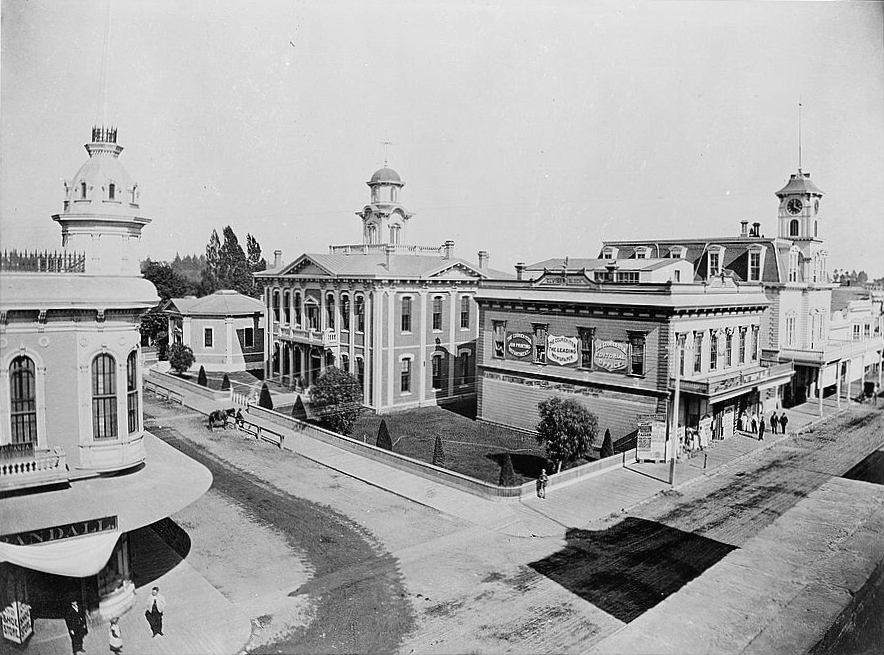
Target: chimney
pixel 744 229
pixel 277 258
pixel 389 249
pixel 448 249
pixel 756 229
pixel 483 260
pixel 520 270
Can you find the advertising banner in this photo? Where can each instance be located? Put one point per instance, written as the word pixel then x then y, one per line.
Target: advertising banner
pixel 562 350
pixel 519 345
pixel 705 430
pixel 651 440
pixel 611 355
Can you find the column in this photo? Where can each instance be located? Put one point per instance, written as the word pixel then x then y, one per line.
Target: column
pixel 452 344
pixel 838 384
pixel 422 357
pixel 819 389
pixel 323 323
pixel 185 330
pixel 391 351
pixel 374 336
pixel 228 337
pixel 847 377
pixel 352 332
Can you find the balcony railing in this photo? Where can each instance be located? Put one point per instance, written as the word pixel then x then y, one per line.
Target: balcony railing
pixel 733 380
pixel 32 469
pixel 381 248
pixel 42 262
pixel 326 338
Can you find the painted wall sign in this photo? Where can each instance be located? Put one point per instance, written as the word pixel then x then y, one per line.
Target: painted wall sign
pixel 611 355
pixel 562 350
pixel 67 531
pixel 519 345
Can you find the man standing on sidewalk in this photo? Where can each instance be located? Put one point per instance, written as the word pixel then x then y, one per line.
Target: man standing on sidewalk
pixel 784 420
pixel 774 422
pixel 75 619
pixel 761 427
pixel 156 605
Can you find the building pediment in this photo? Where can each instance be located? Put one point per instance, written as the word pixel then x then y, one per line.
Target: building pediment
pixel 306 265
pixel 455 271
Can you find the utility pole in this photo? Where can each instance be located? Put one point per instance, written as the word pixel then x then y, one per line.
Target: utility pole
pixel 673 429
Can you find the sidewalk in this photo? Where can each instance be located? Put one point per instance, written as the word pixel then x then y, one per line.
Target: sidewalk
pixel 198 618
pixel 575 504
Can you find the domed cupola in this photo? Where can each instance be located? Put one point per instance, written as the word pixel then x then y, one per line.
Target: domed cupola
pixel 100 207
pixel 384 218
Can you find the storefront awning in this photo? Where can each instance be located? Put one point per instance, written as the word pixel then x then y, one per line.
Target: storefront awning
pixel 77 558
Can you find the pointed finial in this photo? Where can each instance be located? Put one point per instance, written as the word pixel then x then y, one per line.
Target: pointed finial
pixel 385 144
pixel 799 133
pixel 101 116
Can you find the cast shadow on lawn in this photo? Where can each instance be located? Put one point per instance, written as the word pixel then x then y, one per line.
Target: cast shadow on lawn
pixel 528 466
pixel 630 567
pixel 871 469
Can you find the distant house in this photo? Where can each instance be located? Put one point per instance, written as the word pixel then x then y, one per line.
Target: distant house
pixel 225 330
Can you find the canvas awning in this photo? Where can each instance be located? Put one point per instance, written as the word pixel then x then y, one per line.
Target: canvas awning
pixel 77 558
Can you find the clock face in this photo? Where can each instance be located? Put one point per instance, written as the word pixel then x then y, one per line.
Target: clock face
pixel 794 206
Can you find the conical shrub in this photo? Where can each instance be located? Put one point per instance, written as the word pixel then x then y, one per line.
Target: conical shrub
pixel 299 411
pixel 607 446
pixel 507 475
pixel 265 400
pixel 438 453
pixel 225 383
pixel 201 379
pixel 384 440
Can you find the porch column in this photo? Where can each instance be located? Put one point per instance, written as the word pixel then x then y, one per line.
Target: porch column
pixel 452 345
pixel 185 330
pixel 819 389
pixel 422 357
pixel 847 379
pixel 323 322
pixel 228 341
pixel 838 385
pixel 392 364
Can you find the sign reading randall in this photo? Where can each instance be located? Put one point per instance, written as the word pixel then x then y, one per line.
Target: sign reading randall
pixel 519 345
pixel 67 531
pixel 611 355
pixel 561 350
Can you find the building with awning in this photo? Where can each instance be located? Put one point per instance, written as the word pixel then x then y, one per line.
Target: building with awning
pixel 78 473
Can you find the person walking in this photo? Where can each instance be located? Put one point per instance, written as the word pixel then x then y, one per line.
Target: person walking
pixel 774 421
pixel 115 636
pixel 784 420
pixel 541 484
pixel 156 606
pixel 75 619
pixel 761 426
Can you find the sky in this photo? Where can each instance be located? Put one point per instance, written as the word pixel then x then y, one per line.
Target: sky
pixel 528 129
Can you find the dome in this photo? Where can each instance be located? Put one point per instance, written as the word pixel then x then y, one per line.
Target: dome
pixel 799 183
pixel 385 176
pixel 102 169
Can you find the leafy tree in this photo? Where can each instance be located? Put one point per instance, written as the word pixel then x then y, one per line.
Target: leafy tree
pixel 256 264
pixel 154 328
pixel 201 378
pixel 566 428
pixel 169 284
pixel 607 445
pixel 225 383
pixel 384 440
pixel 507 475
pixel 180 357
pixel 265 400
pixel 438 453
pixel 299 411
pixel 233 266
pixel 336 400
pixel 209 282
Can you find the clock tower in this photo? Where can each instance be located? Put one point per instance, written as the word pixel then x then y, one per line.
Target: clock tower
pixel 799 208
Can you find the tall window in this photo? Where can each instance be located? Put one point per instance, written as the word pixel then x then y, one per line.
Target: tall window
pixel 636 353
pixel 540 334
pixel 856 331
pixel 249 337
pixel 713 351
pixel 276 306
pixel 499 338
pixel 755 265
pixel 345 312
pixel 104 398
pixel 793 227
pixel 360 371
pixel 698 352
pixel 586 337
pixel 23 400
pixel 111 191
pixel 790 330
pixel 465 311
pixel 464 361
pixel 437 313
pixel 438 378
pixel 132 391
pixel 714 263
pixel 297 302
pixel 753 350
pixel 742 345
pixel 312 311
pixel 330 311
pixel 287 307
pixel 83 190
pixel 345 362
pixel 360 313
pixel 208 337
pixel 793 265
pixel 680 346
pixel 405 375
pixel 406 314
pixel 728 348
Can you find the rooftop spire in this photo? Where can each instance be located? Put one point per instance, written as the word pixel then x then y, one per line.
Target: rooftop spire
pixel 799 133
pixel 385 144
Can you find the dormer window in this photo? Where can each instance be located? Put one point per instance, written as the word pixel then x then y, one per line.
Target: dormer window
pixel 715 260
pixel 756 263
pixel 609 252
pixel 677 252
pixel 642 252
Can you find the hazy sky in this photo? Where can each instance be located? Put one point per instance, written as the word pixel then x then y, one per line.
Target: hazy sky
pixel 529 129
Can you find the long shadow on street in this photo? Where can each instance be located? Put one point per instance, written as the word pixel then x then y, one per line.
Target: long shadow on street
pixel 628 568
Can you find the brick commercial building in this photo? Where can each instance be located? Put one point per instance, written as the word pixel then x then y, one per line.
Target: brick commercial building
pixel 609 334
pixel 400 317
pixel 792 268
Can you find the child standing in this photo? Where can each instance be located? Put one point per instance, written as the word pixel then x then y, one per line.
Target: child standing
pixel 115 636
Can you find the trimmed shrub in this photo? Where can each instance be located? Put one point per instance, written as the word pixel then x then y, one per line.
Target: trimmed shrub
pixel 507 475
pixel 299 411
pixel 265 400
pixel 607 446
pixel 384 440
pixel 201 379
pixel 438 453
pixel 225 383
pixel 180 357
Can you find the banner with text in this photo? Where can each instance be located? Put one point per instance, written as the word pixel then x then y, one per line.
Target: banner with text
pixel 611 355
pixel 562 350
pixel 519 345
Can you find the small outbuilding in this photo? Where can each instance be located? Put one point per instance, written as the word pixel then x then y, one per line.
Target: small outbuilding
pixel 225 330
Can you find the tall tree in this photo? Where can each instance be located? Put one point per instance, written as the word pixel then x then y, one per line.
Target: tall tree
pixel 209 280
pixel 233 266
pixel 256 263
pixel 566 428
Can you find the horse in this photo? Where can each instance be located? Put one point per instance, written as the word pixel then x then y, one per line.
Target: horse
pixel 219 418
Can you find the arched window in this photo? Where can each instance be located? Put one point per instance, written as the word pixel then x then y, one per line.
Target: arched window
pixel 464 366
pixel 23 400
pixel 345 311
pixel 360 371
pixel 345 362
pixel 330 311
pixel 83 190
pixel 132 391
pixel 437 313
pixel 406 314
pixel 297 301
pixel 287 306
pixel 276 306
pixel 438 377
pixel 104 398
pixel 793 227
pixel 360 313
pixel 111 191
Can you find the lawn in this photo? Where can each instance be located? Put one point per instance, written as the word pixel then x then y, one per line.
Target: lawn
pixel 472 448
